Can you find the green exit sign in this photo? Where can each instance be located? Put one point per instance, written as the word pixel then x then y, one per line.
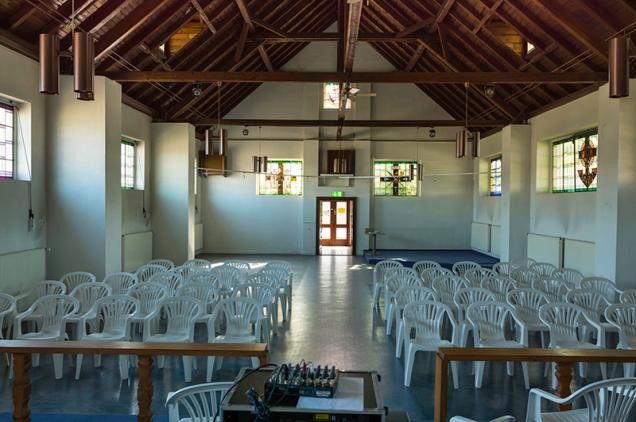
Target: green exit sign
pixel 337 193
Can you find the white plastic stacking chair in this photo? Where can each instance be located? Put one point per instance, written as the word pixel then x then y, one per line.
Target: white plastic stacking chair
pixel 543 269
pixel 239 264
pixel 239 314
pixel 264 295
pixel 115 313
pixel 463 298
pixel 8 310
pixel 526 304
pixel 475 276
pixel 623 317
pixel 74 279
pixel 390 274
pixel 278 277
pixel 604 286
pixel 228 278
pixel 87 294
pixel 197 403
pixel 420 266
pixel 53 312
pixel 446 286
pixel 286 290
pixel 554 288
pixel 393 284
pixel 499 419
pixel 204 293
pixel 202 264
pixel 426 319
pixel 571 277
pixel 165 263
pixel 499 286
pixel 271 280
pixel 431 274
pixel 379 270
pixel 170 280
pixel 119 283
pixel 49 288
pixel 524 277
pixel 144 272
pixel 564 321
pixel 504 268
pixel 181 314
pixel 460 268
pixel 187 272
pixel 488 320
pixel 606 401
pixel 628 296
pixel 594 305
pixel 149 295
pixel 403 297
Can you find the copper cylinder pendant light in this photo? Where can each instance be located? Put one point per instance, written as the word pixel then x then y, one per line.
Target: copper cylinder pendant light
pixel 222 141
pixel 619 67
pixel 460 144
pixel 85 96
pixel 49 64
pixel 83 62
pixel 475 144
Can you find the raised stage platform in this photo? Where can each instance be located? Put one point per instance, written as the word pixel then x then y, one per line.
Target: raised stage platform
pixel 446 258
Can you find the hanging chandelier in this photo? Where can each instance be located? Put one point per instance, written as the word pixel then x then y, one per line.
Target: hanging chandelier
pixel 463 135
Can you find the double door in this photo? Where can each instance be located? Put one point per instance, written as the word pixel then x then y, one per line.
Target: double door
pixel 336 222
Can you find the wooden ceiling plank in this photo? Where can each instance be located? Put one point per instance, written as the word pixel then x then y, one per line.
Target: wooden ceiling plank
pixel 23 13
pixel 269 27
pixel 126 26
pixel 415 27
pixel 565 21
pixel 414 58
pixel 487 16
pixel 204 16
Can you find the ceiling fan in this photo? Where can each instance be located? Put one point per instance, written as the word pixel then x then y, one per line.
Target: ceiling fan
pixel 353 93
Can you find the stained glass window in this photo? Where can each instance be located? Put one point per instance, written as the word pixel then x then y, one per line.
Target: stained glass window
pixel 283 177
pixel 395 178
pixel 7 142
pixel 331 96
pixel 128 156
pixel 495 177
pixel 575 163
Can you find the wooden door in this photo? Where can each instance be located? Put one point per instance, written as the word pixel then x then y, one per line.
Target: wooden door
pixel 335 222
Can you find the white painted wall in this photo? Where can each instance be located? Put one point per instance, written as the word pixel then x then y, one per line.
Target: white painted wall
pixel 135 126
pixel 83 184
pixel 568 215
pixel 19 82
pixel 236 220
pixel 172 191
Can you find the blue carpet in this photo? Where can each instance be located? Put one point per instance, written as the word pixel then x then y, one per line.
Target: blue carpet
pixel 446 258
pixel 63 417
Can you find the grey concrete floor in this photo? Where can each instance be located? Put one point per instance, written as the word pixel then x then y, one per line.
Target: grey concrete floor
pixel 331 323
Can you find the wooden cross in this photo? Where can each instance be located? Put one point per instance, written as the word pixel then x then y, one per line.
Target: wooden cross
pixel 396 179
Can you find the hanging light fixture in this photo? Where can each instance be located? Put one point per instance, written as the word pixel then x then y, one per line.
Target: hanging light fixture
pixel 83 62
pixel 619 66
pixel 49 64
pixel 85 96
pixel 460 138
pixel 222 132
pixel 475 144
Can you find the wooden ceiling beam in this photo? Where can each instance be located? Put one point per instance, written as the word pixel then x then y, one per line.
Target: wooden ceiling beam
pixel 242 6
pixel 270 28
pixel 240 45
pixel 350 123
pixel 364 77
pixel 443 12
pixel 204 16
pixel 415 27
pixel 95 21
pixel 351 30
pixel 126 26
pixel 265 58
pixel 487 16
pixel 414 58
